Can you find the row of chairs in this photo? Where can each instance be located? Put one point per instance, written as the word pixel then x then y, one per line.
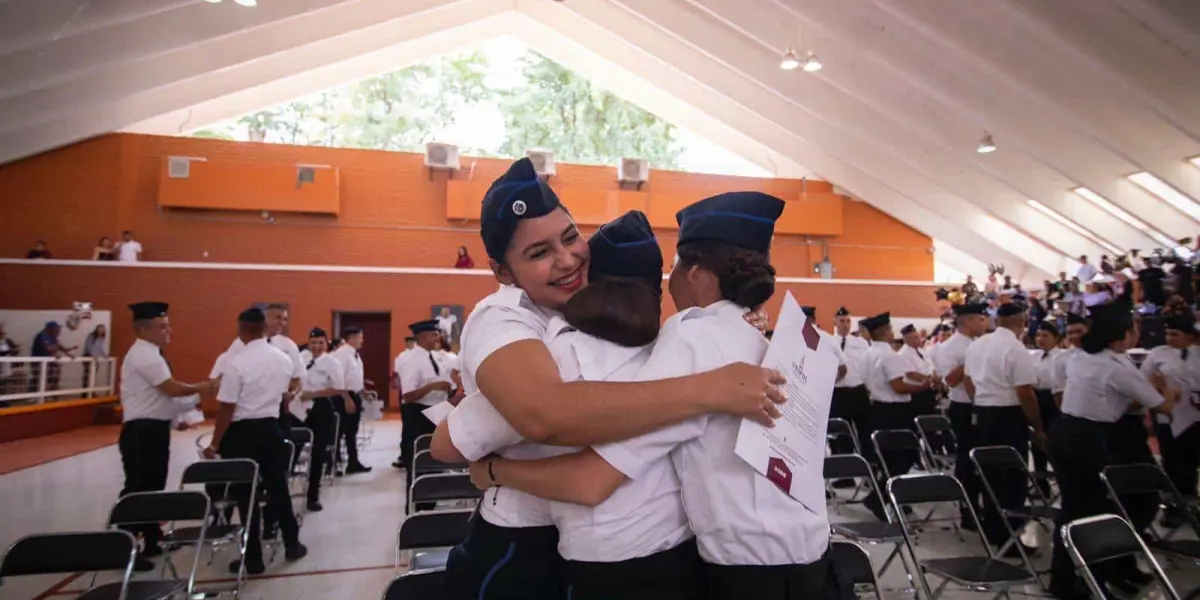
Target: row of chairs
pixel 192 518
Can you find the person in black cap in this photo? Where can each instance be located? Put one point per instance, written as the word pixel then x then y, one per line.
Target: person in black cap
pixel 1100 384
pixel 971 323
pixel 920 372
pixel 1178 435
pixel 324 386
pixel 248 427
pixel 851 400
pixel 350 409
pixel 425 385
pixel 150 399
pixel 1077 327
pixel 1048 340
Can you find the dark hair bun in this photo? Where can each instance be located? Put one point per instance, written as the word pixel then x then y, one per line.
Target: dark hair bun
pixel 624 311
pixel 748 279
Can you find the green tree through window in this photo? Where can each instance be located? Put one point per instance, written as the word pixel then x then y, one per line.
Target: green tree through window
pixel 547 106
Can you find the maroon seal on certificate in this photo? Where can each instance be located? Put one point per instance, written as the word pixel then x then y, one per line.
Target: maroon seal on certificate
pixel 812 338
pixel 779 474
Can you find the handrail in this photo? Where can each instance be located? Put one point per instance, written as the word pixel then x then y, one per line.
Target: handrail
pixel 28 380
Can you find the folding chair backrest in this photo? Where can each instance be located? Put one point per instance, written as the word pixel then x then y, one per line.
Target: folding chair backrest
pixel 111 550
pixel 434 529
pixel 922 488
pixel 1092 540
pixel 422 443
pixel 423 462
pixel 302 435
pixel 228 470
pixel 846 466
pixel 838 428
pixel 444 486
pixel 1137 479
pixel 895 439
pixel 991 459
pixel 852 563
pixel 159 507
pixel 416 585
pixel 933 424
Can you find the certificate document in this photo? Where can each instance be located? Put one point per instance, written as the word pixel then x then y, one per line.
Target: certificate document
pixel 792 454
pixel 438 412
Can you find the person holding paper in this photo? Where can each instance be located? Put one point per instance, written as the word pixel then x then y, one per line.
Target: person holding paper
pixel 756 540
pixel 150 401
pixel 851 401
pixel 1178 363
pixel 1000 376
pixel 891 400
pixel 950 360
pixel 324 384
pixel 425 384
pixel 920 371
pixel 540 259
pixel 1048 341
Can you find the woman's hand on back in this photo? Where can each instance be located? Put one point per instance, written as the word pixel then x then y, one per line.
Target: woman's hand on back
pixel 745 390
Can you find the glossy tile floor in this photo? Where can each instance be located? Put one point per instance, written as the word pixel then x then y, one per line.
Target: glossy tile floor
pixel 351 543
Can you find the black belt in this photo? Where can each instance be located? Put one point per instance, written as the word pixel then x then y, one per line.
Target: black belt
pixel 159 422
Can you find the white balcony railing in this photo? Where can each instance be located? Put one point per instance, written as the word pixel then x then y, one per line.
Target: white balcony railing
pixel 39 380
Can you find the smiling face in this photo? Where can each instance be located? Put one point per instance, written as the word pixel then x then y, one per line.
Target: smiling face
pixel 548 258
pixel 1046 340
pixel 1178 339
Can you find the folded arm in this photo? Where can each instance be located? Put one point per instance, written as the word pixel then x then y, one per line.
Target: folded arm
pixel 582 478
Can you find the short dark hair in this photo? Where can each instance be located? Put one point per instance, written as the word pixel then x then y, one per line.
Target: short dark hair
pixel 746 277
pixel 127 232
pixel 352 330
pixel 621 310
pixel 276 306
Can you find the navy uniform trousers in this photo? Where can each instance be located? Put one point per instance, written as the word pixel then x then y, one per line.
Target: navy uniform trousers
pixel 145 446
pixel 505 563
pixel 854 405
pixel 675 574
pixel 1003 426
pixel 1050 411
pixel 261 440
pixel 1131 446
pixel 818 580
pixel 962 423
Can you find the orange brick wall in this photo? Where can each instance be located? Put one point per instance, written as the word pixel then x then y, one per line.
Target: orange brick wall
pixel 393 211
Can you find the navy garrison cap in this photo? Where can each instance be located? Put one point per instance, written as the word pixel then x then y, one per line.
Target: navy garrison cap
pixel 517 194
pixel 252 315
pixel 1076 319
pixel 626 247
pixel 1050 327
pixel 970 308
pixel 743 219
pixel 143 311
pixel 1008 310
pixel 877 321
pixel 317 332
pixel 842 312
pixel 907 329
pixel 423 326
pixel 1184 323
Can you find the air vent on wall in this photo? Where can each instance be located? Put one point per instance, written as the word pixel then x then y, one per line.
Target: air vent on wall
pixel 180 167
pixel 441 156
pixel 633 170
pixel 543 162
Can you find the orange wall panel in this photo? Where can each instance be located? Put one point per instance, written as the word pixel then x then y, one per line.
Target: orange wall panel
pixel 392 210
pixel 249 187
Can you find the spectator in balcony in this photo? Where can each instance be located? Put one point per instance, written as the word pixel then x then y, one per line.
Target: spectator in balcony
pixel 96 345
pixel 104 250
pixel 39 251
pixel 464 260
pixel 969 288
pixel 7 348
pixel 992 287
pixel 1086 271
pixel 129 250
pixel 46 344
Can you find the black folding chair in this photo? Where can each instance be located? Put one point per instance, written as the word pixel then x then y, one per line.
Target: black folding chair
pixel 993 461
pixel 428 536
pixel 852 562
pixel 219 477
pixel 1132 480
pixel 299 474
pixel 1091 541
pixel 424 463
pixel 153 508
pixel 423 442
pixel 841 428
pixel 906 447
pixel 981 573
pixel 853 466
pixel 441 487
pixel 416 585
pixel 937 438
pixel 89 552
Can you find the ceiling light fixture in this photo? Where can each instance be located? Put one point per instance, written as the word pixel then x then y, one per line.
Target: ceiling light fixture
pixel 986 145
pixel 1195 160
pixel 811 63
pixel 1129 219
pixel 247 2
pixel 1073 226
pixel 790 60
pixel 213 1
pixel 1160 189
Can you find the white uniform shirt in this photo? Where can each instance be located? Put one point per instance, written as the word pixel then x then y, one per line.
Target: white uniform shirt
pixel 883 366
pixel 352 368
pixel 834 343
pixel 305 357
pixel 855 351
pixel 400 358
pixel 280 342
pixel 326 373
pixel 447 361
pixel 1086 272
pixel 129 251
pixel 1180 373
pixel 417 371
pixel 739 517
pixel 997 363
pixel 918 360
pixel 1059 383
pixel 446 324
pixel 952 354
pixel 1100 387
pixel 255 380
pixel 502 318
pixel 1046 365
pixel 142 371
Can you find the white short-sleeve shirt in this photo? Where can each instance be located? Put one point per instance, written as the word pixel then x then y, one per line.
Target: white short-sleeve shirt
pixel 1058 384
pixel 918 360
pixel 142 371
pixel 952 354
pixel 854 349
pixel 1045 367
pixel 256 380
pixel 644 515
pixel 884 366
pixel 1101 386
pixel 997 364
pixel 738 516
pixel 326 373
pixel 129 251
pixel 505 317
pixel 417 371
pixel 352 367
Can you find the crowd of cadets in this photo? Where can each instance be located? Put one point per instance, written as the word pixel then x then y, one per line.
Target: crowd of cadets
pixel 604 437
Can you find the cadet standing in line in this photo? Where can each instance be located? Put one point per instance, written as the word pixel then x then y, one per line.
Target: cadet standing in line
pixel 970 322
pixel 851 400
pixel 1048 341
pixel 324 386
pixel 920 372
pixel 1077 326
pixel 424 385
pixel 150 400
pixel 1178 434
pixel 248 427
pixel 1000 376
pixel 351 409
pixel 1100 386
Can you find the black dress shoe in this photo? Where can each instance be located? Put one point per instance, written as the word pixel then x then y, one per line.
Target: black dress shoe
pixel 844 484
pixel 251 568
pixel 354 469
pixel 152 551
pixel 398 464
pixel 142 564
pixel 295 552
pixel 313 506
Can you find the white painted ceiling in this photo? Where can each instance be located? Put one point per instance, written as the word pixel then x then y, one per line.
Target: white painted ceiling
pixel 1074 92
